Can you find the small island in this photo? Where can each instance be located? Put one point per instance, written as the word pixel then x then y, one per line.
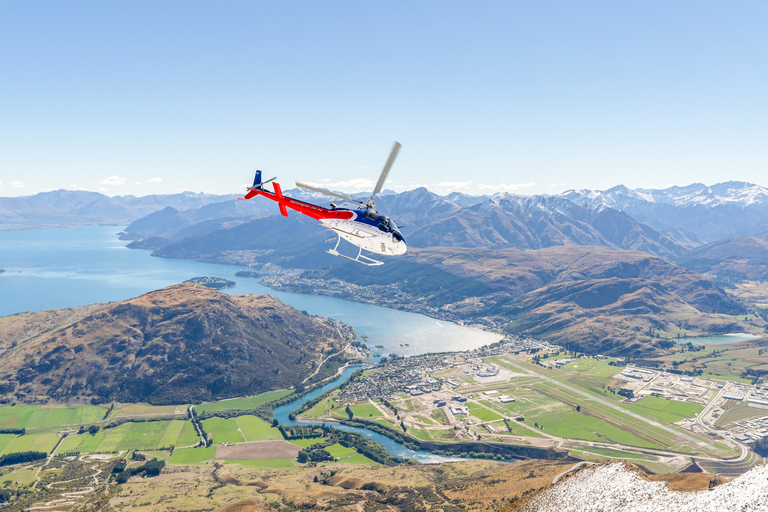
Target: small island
pixel 212 282
pixel 246 273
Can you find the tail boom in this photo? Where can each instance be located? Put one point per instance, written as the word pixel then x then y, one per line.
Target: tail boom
pixel 308 209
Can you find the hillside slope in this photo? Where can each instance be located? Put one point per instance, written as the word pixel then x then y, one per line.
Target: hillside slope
pixel 733 261
pixel 184 343
pixel 591 299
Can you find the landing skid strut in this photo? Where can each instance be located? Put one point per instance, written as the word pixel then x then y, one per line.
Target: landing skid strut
pixel 369 262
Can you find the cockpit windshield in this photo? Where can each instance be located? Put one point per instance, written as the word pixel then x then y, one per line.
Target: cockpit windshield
pixel 384 223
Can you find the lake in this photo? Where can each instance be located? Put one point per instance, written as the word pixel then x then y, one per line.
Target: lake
pixel 59 268
pixel 717 340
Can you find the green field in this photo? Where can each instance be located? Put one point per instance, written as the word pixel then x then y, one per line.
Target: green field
pixel 150 435
pixel 223 430
pixel 192 456
pixel 667 410
pixel 5 439
pixel 594 367
pixel 349 456
pixel 145 409
pixel 188 436
pixel 365 411
pixel 256 429
pixel 480 412
pixel 39 442
pixel 36 416
pixel 324 407
pixel 244 404
pixel 568 423
pixel 22 477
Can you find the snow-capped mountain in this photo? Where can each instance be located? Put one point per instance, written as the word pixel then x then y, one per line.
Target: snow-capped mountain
pixel 697 212
pixel 728 193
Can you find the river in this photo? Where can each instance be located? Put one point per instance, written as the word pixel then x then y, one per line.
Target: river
pixel 393 448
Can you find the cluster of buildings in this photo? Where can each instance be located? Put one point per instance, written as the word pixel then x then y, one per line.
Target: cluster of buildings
pixel 749 431
pixel 631 372
pixel 754 396
pixel 398 375
pixel 555 363
pixel 516 345
pixel 478 369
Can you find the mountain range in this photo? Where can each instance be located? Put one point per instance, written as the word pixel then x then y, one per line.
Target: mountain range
pixel 174 345
pixel 665 222
pixel 704 214
pixel 72 208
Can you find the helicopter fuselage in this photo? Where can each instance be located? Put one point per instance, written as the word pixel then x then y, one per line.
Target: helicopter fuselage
pixel 377 235
pixel 362 227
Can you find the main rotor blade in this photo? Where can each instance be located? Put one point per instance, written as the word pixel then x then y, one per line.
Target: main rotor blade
pixel 385 171
pixel 326 192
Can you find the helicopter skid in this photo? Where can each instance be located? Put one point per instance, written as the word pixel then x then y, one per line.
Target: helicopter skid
pixel 369 263
pixel 368 238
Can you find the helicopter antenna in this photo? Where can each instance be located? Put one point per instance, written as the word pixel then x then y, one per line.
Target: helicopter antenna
pixel 384 174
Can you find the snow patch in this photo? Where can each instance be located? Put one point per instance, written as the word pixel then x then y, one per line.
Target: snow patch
pixel 615 488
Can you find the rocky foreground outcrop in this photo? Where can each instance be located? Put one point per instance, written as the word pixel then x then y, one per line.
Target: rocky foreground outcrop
pixel 618 487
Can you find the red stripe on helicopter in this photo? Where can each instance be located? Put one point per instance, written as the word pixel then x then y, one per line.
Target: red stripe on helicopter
pixel 310 210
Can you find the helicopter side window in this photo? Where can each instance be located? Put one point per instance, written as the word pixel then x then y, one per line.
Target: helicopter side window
pixel 397 236
pixel 371 216
pixel 384 223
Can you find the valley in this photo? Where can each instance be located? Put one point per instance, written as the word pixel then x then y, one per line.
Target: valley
pixel 517 398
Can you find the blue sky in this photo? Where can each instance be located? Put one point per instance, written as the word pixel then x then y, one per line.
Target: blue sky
pixel 528 97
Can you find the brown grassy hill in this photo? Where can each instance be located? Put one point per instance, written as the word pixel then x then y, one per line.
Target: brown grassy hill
pixel 175 345
pixel 590 298
pixel 731 262
pixel 18 328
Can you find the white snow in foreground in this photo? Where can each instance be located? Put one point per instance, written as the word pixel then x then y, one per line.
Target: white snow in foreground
pixel 614 488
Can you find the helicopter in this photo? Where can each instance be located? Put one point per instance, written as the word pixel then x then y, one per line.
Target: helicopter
pixel 358 223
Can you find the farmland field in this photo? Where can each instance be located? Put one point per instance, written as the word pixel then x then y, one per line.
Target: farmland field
pixel 42 442
pixel 36 416
pixel 188 435
pixel 223 430
pixel 244 404
pixel 256 429
pixel 145 410
pixel 150 435
pixel 193 456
